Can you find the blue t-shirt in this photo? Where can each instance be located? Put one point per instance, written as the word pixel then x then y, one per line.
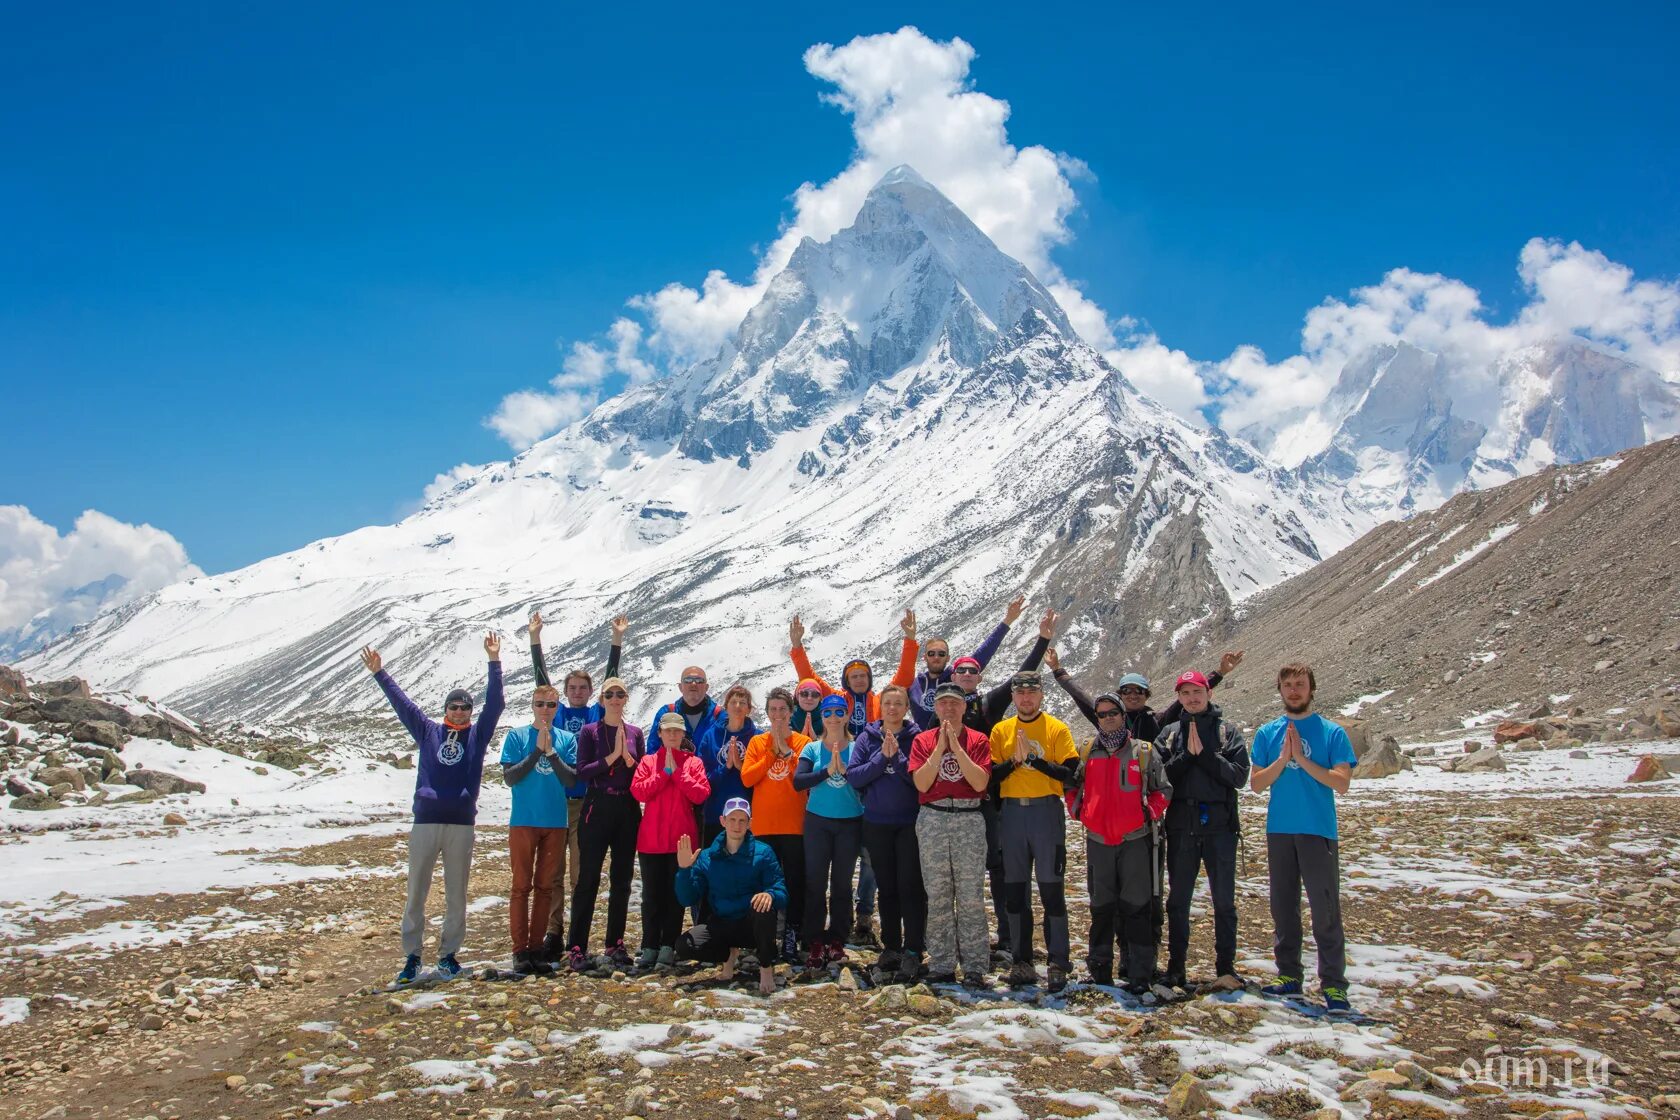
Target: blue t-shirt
pixel 571 719
pixel 834 796
pixel 1301 803
pixel 539 800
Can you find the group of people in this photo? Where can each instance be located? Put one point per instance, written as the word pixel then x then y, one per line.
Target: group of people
pixel 920 793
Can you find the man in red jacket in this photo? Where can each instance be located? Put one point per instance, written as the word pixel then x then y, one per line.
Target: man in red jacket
pixel 1122 793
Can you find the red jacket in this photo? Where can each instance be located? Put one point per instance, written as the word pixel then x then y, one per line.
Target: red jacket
pixel 668 800
pixel 1110 801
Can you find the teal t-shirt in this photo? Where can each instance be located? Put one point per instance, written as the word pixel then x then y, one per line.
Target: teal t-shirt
pixel 539 800
pixel 834 796
pixel 1301 803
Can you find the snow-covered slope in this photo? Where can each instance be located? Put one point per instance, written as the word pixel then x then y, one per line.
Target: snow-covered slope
pixel 907 417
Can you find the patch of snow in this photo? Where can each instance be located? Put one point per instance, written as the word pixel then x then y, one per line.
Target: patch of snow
pixel 13 1009
pixel 1352 709
pixel 1497 534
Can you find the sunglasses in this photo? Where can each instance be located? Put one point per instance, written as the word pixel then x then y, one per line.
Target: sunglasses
pixel 936 653
pixel 694 680
pixel 1108 713
pixel 615 694
pixel 545 703
pixel 459 707
pixel 1133 692
pixel 966 671
pixel 807 692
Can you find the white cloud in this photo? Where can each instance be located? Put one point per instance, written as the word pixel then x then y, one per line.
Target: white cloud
pixel 448 480
pixel 528 415
pixel 50 582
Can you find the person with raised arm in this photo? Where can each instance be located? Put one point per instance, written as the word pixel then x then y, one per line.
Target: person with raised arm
pixel 936 659
pixel 446 781
pixel 670 783
pixel 807 696
pixel 951 765
pixel 833 836
pixel 738 881
pixel 539 761
pixel 576 709
pixel 879 769
pixel 778 807
pixel 608 752
pixel 1141 720
pixel 1305 760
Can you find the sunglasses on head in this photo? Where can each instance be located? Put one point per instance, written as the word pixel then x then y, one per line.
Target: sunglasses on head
pixel 694 680
pixel 965 670
pixel 545 703
pixel 1107 713
pixel 615 694
pixel 460 707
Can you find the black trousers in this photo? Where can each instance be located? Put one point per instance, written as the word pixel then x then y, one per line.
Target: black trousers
pixel 1187 854
pixel 1122 893
pixel 1294 860
pixel 712 940
pixel 790 853
pixel 831 855
pixel 661 912
pixel 608 823
pixel 898 871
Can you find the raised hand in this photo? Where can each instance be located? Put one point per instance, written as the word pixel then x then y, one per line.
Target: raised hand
pixel 685 851
pixel 371 658
pixel 1195 744
pixel 1047 624
pixel 1230 661
pixel 619 626
pixel 535 626
pixel 908 624
pixel 1012 612
pixel 1052 660
pixel 796 631
pixel 493 645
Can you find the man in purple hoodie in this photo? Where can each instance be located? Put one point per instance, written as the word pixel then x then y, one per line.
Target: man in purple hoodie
pixel 446 779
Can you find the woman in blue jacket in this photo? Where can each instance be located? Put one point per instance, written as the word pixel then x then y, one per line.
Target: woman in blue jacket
pixel 880 771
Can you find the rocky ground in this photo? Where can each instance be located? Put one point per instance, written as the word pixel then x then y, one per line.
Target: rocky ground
pixel 1522 916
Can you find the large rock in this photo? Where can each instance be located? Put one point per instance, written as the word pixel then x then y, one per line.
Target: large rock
pixel 36 802
pixel 73 709
pixel 12 684
pixel 19 786
pixel 24 711
pixel 1358 733
pixel 101 732
pixel 1511 730
pixel 60 775
pixel 1381 761
pixel 52 690
pixel 161 781
pixel 1655 768
pixel 1486 759
pixel 1663 715
pixel 151 726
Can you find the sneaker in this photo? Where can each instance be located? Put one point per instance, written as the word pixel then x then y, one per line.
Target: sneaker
pixel 1228 982
pixel 618 956
pixel 863 935
pixel 1100 974
pixel 667 956
pixel 817 959
pixel 448 967
pixel 1286 986
pixel 1022 975
pixel 647 958
pixel 1057 978
pixel 909 967
pixel 790 945
pixel 1335 999
pixel 410 970
pixel 554 948
pixel 836 952
pixel 576 959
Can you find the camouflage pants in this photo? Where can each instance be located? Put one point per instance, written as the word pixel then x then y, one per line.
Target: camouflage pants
pixel 953 852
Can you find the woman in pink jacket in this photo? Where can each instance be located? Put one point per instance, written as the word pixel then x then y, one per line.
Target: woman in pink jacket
pixel 669 782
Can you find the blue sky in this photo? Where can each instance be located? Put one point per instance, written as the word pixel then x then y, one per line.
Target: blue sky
pixel 266 271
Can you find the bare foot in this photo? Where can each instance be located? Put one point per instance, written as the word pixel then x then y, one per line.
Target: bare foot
pixel 767 981
pixel 728 970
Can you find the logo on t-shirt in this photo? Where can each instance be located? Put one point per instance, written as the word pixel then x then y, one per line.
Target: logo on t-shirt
pixel 450 750
pixel 574 724
pixel 950 770
pixel 838 781
pixel 544 766
pixel 780 769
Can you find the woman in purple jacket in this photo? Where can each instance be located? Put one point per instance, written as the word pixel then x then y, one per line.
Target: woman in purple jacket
pixel 608 751
pixel 880 772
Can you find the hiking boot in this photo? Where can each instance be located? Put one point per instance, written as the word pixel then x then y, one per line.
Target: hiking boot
pixel 817 959
pixel 667 956
pixel 909 967
pixel 539 966
pixel 1171 978
pixel 941 978
pixel 1022 975
pixel 410 970
pixel 647 958
pixel 619 956
pixel 448 967
pixel 863 934
pixel 790 945
pixel 1285 986
pixel 1138 988
pixel 836 952
pixel 522 963
pixel 1335 999
pixel 888 961
pixel 1100 974
pixel 976 981
pixel 554 948
pixel 1057 978
pixel 1228 982
pixel 576 959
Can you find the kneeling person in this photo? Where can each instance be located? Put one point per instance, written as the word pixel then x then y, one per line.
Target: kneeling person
pixel 741 882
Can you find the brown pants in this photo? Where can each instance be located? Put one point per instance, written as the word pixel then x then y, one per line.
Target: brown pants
pixel 560 893
pixel 535 853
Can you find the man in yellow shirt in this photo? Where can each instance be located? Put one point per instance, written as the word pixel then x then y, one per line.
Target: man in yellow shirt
pixel 1032 757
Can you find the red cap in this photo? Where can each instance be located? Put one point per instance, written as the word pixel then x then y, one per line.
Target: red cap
pixel 961 661
pixel 1191 677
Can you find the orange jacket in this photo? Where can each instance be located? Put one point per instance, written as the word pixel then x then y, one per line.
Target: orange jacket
pixel 871 700
pixel 777 808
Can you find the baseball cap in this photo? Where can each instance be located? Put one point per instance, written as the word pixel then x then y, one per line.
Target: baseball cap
pixel 1135 680
pixel 962 661
pixel 1190 677
pixel 832 703
pixel 672 719
pixel 737 805
pixel 1026 679
pixel 952 690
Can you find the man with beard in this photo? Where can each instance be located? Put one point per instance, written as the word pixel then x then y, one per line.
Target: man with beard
pixel 1305 760
pixel 1206 763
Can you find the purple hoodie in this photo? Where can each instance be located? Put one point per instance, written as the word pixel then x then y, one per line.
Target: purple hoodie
pixel 888 792
pixel 595 743
pixel 451 762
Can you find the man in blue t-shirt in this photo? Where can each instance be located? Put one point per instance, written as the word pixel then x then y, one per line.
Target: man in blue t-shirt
pixel 1305 760
pixel 538 762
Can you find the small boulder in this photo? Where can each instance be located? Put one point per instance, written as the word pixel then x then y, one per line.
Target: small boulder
pixel 52 690
pixel 74 709
pixel 174 819
pixel 62 775
pixel 12 684
pixel 1511 730
pixel 1649 768
pixel 1381 761
pixel 161 781
pixel 1358 733
pixel 151 726
pixel 36 802
pixel 1482 761
pixel 1188 1097
pixel 100 732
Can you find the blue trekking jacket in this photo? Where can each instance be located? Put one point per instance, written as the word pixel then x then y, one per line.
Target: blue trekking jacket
pixel 728 882
pixel 712 745
pixel 451 763
pixel 885 785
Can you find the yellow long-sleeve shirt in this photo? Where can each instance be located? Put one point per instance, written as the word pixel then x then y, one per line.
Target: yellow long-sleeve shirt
pixel 1046 735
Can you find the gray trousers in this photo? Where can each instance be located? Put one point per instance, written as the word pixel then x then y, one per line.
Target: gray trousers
pixel 953 853
pixel 1294 860
pixel 426 842
pixel 1033 835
